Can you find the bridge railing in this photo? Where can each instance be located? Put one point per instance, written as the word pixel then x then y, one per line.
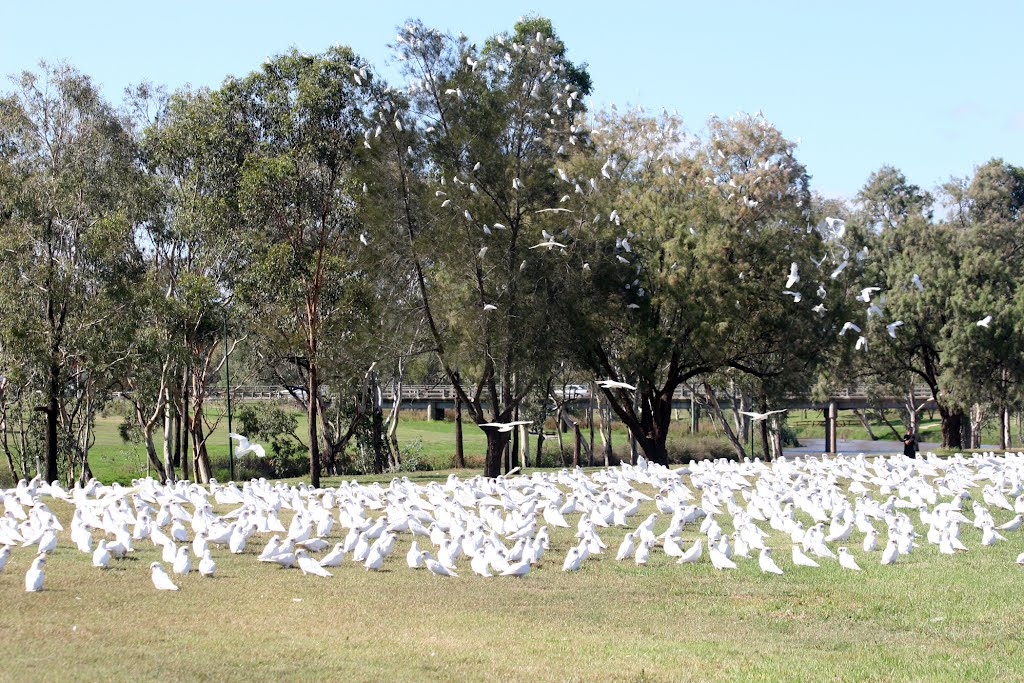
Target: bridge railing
pixel 445 392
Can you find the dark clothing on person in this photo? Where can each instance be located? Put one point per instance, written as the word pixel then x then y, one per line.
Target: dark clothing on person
pixel 909 445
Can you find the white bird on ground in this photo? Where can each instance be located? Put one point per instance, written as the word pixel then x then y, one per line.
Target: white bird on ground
pixel 613 384
pixel 101 556
pixel 480 566
pixel 801 560
pixel 572 560
pixel 891 552
pixel 5 554
pixel 206 565
pixel 718 558
pixel 435 567
pixel 310 566
pixel 757 417
pixel 245 447
pixel 627 548
pixel 160 578
pixel 414 558
pixel 517 569
pixel 34 576
pixel 335 557
pixel 847 326
pixel 984 322
pixel 794 276
pixel 767 563
pixel 692 554
pixel 183 561
pixel 846 560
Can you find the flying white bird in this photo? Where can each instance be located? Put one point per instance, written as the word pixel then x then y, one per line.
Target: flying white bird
pixel 891 327
pixel 985 322
pixel 612 384
pixel 757 417
pixel 160 578
pixel 917 282
pixel 847 326
pixel 244 447
pixel 490 307
pixel 797 296
pixel 865 294
pixel 550 244
pixel 794 276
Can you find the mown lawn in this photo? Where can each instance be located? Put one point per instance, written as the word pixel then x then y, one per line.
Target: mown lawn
pixel 929 617
pixel 433 443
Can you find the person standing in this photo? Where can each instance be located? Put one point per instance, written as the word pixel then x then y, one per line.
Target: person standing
pixel 910 443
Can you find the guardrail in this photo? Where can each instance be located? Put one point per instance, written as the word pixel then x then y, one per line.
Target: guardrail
pixel 445 392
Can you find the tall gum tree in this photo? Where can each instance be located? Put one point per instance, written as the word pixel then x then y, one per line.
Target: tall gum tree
pixel 68 178
pixel 490 122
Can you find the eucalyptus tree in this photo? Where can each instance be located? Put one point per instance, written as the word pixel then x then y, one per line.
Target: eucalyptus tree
pixel 915 263
pixel 192 253
pixel 471 154
pixel 69 202
pixel 298 123
pixel 682 254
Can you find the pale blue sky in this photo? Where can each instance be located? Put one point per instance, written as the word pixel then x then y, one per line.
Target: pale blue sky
pixel 930 87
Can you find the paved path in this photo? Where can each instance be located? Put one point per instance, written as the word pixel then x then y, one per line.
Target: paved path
pixel 853 447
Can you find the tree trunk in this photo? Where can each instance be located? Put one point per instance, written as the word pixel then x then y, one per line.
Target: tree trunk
pixel 524 446
pixel 865 423
pixel 51 410
pixel 183 421
pixel 460 454
pixel 496 443
pixel 951 432
pixel 716 411
pixel 313 389
pixel 540 446
pixel 590 421
pixel 1003 426
pixel 577 439
pixel 168 437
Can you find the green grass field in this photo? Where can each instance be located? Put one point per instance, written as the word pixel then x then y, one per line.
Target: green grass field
pixel 112 459
pixel 929 617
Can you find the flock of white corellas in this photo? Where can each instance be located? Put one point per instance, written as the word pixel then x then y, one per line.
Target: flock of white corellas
pixel 890 506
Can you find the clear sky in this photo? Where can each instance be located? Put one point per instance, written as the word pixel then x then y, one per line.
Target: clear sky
pixel 932 88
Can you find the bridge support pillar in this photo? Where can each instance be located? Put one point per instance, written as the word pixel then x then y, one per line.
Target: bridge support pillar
pixel 831 430
pixel 431 411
